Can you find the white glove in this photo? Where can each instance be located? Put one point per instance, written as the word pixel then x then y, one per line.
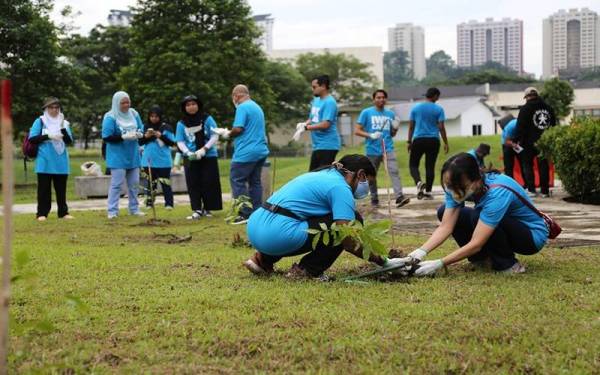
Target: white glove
pixel 139 134
pixel 418 254
pixel 128 136
pixel 190 155
pixel 56 136
pixel 222 132
pixel 300 128
pixel 200 153
pixel 375 135
pixel 429 267
pixel 396 123
pixel 404 263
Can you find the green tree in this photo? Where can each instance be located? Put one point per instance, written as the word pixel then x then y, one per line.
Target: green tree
pixel 98 58
pixel 559 95
pixel 351 80
pixel 201 47
pixel 396 69
pixel 30 57
pixel 289 89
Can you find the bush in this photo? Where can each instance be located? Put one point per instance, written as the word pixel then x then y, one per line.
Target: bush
pixel 575 151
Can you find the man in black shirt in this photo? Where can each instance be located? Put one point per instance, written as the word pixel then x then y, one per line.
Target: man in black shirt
pixel 534 118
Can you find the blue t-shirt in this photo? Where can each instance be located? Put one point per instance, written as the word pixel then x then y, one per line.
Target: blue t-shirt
pixel 157 154
pixel 312 194
pixel 510 130
pixel 324 110
pixel 251 145
pixel 426 116
pixel 48 160
pixel 499 202
pixel 125 154
pixel 182 134
pixel 373 120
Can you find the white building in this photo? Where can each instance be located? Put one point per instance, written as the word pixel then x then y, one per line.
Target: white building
pixel 265 24
pixel 498 41
pixel 571 41
pixel 465 116
pixel 409 38
pixel 118 17
pixel 373 56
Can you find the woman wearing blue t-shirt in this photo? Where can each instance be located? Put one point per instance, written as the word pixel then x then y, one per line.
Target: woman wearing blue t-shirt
pixel 499 225
pixel 279 228
pixel 121 129
pixel 52 134
pixel 196 139
pixel 156 158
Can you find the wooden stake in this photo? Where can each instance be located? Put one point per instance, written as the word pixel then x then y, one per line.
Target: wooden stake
pixel 389 194
pixel 274 171
pixel 7 192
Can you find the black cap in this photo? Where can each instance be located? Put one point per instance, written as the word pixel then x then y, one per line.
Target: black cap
pixel 484 149
pixel 432 92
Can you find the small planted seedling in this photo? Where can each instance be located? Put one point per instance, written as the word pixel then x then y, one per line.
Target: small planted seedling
pixel 370 237
pixel 237 205
pixel 152 189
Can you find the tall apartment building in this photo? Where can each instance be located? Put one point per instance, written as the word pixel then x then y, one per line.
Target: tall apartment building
pixel 265 24
pixel 571 41
pixel 498 41
pixel 409 38
pixel 118 17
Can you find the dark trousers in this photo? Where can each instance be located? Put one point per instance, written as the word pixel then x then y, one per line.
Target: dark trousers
pixel 510 237
pixel 159 173
pixel 317 260
pixel 321 158
pixel 526 158
pixel 508 155
pixel 430 147
pixel 44 193
pixel 203 184
pixel 245 179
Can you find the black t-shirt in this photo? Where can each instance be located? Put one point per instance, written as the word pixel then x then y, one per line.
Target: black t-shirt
pixel 534 118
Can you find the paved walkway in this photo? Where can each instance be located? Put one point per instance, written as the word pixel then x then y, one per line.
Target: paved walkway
pixel 580 222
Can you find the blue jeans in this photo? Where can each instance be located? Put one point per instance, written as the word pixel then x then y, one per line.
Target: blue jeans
pixel 117 177
pixel 245 180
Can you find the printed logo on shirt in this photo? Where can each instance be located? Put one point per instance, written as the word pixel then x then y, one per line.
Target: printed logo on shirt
pixel 314 114
pixel 541 119
pixel 380 123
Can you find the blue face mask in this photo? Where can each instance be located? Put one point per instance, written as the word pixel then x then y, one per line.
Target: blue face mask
pixel 362 190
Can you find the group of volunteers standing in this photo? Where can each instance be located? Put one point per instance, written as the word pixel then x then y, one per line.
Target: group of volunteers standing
pixel 131 145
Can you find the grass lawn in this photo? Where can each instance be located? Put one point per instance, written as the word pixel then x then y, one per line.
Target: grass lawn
pixel 286 168
pixel 153 307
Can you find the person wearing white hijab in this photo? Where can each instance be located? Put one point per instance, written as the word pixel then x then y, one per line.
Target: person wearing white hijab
pixel 51 133
pixel 121 129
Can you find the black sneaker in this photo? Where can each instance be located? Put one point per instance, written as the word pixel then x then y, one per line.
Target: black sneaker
pixel 402 200
pixel 240 220
pixel 427 196
pixel 420 189
pixel 206 213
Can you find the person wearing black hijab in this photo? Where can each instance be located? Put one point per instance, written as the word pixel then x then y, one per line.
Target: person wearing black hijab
pixel 156 158
pixel 196 140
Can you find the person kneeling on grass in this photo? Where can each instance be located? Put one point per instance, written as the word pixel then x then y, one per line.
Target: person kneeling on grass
pixel 499 225
pixel 279 228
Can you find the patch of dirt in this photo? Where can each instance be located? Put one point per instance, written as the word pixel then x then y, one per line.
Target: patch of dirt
pixel 171 238
pixel 111 359
pixel 565 243
pixel 240 242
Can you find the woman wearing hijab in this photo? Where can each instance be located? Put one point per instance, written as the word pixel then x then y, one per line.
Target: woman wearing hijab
pixel 51 133
pixel 196 139
pixel 121 129
pixel 156 158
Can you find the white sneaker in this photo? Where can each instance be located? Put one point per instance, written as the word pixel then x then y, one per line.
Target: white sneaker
pixel 112 216
pixel 420 189
pixel 195 216
pixel 139 213
pixel 206 213
pixel 41 218
pixel 168 208
pixel 515 269
pixel 531 194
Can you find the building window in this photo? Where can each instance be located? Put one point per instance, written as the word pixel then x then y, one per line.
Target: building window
pixel 476 129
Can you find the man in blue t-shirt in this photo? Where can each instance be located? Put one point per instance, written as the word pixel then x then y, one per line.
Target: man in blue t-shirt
pixel 322 123
pixel 426 124
pixel 250 150
pixel 508 147
pixel 376 124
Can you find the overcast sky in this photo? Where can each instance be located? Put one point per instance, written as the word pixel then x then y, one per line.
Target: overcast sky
pixel 346 23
